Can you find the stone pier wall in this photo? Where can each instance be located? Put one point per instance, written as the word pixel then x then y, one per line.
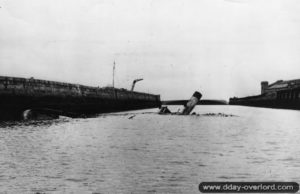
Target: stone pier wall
pixel 19 94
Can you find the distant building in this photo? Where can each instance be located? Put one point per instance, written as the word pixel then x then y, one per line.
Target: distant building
pixel 272 90
pixel 280 94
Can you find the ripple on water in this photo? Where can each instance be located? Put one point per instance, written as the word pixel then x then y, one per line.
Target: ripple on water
pixel 272 142
pixel 225 177
pixel 149 153
pixel 77 180
pixel 179 162
pixel 288 159
pixel 52 177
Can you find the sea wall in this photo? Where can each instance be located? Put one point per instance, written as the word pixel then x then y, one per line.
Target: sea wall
pixel 35 87
pixel 19 94
pixel 286 99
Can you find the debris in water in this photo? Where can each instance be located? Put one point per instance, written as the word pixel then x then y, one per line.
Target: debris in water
pixel 188 107
pixel 217 115
pixel 131 116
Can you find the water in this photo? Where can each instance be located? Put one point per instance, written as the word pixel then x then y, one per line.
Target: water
pixel 143 152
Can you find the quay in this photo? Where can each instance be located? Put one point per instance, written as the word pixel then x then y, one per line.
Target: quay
pixel 280 94
pixel 18 95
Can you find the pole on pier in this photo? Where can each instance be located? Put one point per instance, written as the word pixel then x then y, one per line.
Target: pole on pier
pixel 113 81
pixel 191 103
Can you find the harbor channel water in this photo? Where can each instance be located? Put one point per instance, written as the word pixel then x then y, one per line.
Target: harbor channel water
pixel 144 152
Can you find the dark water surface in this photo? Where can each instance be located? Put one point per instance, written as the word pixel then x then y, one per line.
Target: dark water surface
pixel 143 152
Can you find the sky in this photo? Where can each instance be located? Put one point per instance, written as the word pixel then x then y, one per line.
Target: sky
pixel 222 48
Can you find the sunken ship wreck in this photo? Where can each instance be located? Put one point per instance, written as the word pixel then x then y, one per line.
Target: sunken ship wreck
pixel 280 94
pixel 20 96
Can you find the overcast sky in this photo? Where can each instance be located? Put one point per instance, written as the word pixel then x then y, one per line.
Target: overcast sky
pixel 222 48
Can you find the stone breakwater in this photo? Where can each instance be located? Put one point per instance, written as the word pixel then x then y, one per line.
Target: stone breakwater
pixel 20 94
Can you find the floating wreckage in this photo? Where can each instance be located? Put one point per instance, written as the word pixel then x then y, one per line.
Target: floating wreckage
pixel 188 107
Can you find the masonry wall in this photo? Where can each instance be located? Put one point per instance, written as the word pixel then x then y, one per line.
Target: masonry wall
pixel 18 94
pixel 35 87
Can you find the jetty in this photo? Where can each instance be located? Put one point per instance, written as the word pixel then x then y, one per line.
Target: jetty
pixel 21 98
pixel 280 94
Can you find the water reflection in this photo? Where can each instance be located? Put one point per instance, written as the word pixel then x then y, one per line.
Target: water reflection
pixel 149 153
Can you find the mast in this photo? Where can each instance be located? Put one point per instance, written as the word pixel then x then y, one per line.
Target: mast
pixel 113 81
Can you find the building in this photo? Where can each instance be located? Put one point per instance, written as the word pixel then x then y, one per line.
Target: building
pixel 280 94
pixel 279 85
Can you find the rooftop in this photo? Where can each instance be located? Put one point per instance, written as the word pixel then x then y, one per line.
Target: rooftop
pixel 283 84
